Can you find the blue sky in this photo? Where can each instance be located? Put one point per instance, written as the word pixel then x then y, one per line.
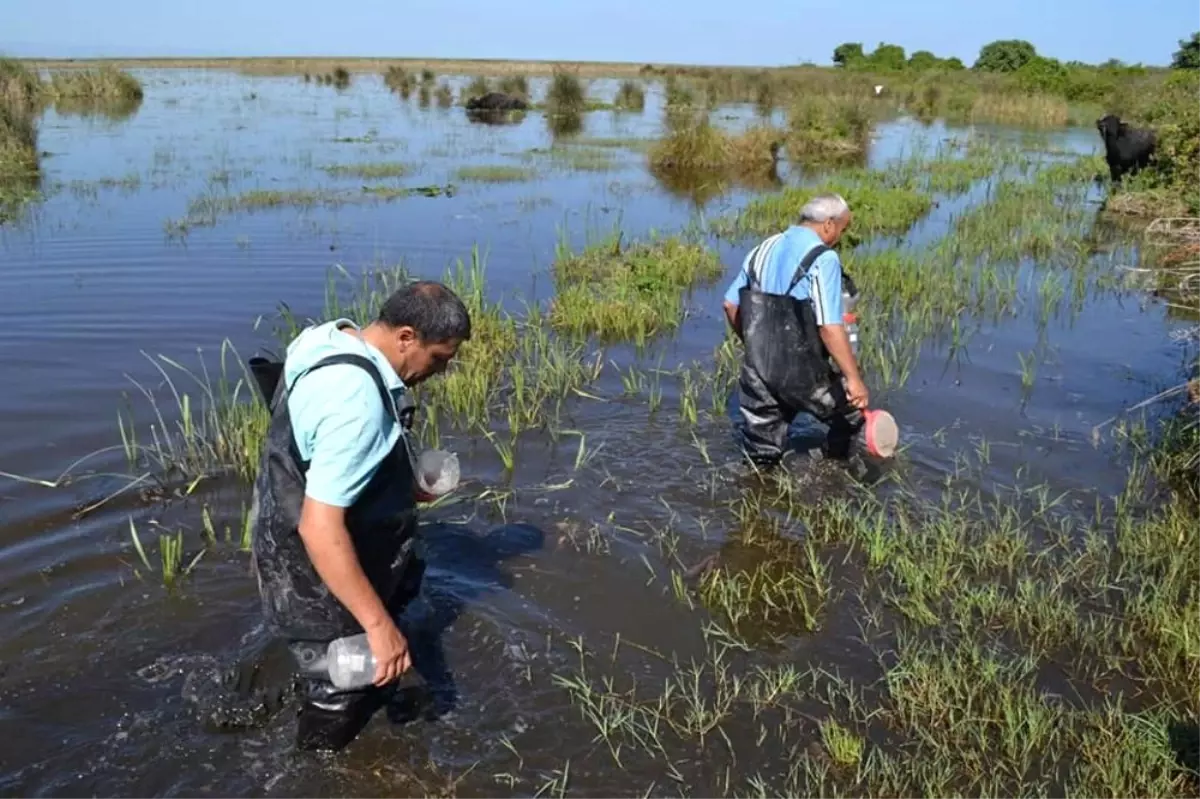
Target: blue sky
pixel 766 32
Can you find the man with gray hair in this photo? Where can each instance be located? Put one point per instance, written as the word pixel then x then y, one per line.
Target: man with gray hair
pixel 786 305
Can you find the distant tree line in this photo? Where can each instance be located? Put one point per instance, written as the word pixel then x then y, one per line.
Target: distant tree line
pixel 1017 59
pixel 1002 55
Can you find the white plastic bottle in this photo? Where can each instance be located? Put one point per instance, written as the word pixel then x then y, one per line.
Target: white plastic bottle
pixel 350 662
pixel 850 319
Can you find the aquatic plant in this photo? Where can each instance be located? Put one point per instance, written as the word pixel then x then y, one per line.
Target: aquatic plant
pixel 366 171
pixel 830 124
pixel 515 85
pixel 20 168
pixel 565 96
pixel 399 80
pixel 694 144
pixel 618 292
pixel 106 90
pixel 630 96
pixel 478 87
pixel 878 208
pixel 444 95
pixel 20 87
pixel 494 173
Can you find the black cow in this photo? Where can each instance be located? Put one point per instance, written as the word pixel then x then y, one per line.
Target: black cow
pixel 497 101
pixel 1126 149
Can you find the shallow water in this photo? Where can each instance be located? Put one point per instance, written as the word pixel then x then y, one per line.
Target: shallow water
pixel 95 658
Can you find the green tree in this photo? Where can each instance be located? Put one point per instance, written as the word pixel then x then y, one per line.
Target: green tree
pixel 1005 55
pixel 846 54
pixel 954 63
pixel 888 57
pixel 1188 54
pixel 923 61
pixel 1043 74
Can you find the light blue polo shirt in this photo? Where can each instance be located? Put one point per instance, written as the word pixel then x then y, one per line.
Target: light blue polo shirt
pixel 338 418
pixel 779 256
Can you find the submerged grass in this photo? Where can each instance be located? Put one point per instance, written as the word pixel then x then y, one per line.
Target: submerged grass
pixel 1005 646
pixel 495 173
pixel 384 169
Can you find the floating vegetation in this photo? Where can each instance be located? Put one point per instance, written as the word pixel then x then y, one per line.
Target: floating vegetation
pixel 207 209
pixel 573 157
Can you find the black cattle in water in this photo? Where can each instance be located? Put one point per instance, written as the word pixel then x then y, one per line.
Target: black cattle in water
pixel 496 101
pixel 1126 149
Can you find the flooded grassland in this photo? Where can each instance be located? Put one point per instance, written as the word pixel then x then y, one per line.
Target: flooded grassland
pixel 1010 606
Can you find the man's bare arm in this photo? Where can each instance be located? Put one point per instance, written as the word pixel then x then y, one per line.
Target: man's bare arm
pixel 837 342
pixel 734 316
pixel 323 531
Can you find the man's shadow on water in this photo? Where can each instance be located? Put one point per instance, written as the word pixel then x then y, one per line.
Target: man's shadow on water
pixel 462 569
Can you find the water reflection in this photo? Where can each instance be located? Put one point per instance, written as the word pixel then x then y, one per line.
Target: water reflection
pixel 115 110
pixel 564 123
pixel 486 116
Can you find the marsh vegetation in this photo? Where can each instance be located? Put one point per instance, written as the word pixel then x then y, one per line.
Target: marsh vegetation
pixel 1011 606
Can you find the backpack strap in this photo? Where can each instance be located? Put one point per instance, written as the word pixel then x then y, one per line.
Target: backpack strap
pixel 806 264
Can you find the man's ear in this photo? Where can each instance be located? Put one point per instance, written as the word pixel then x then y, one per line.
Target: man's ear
pixel 405 335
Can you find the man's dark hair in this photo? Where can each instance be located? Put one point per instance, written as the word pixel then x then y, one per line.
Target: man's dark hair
pixel 432 310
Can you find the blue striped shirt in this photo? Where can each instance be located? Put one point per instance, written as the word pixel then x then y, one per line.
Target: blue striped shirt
pixel 779 256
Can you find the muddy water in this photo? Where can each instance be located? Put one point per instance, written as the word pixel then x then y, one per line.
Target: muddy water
pixel 98 659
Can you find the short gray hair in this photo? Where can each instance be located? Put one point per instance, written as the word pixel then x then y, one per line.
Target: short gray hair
pixel 824 207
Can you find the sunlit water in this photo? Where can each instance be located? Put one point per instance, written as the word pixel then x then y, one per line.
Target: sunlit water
pixel 95 658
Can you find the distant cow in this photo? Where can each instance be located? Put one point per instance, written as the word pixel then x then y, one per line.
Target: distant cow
pixel 1126 149
pixel 497 101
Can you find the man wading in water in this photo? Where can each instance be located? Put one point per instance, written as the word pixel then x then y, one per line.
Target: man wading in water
pixel 786 306
pixel 335 500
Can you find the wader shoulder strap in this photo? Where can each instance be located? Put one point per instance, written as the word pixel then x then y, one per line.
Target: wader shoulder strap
pixel 362 362
pixel 806 263
pixel 754 260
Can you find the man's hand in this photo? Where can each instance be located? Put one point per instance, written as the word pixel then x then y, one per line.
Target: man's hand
pixel 390 649
pixel 856 393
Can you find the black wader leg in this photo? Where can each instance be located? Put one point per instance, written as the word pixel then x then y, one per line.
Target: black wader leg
pixel 330 718
pixel 766 421
pixel 831 406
